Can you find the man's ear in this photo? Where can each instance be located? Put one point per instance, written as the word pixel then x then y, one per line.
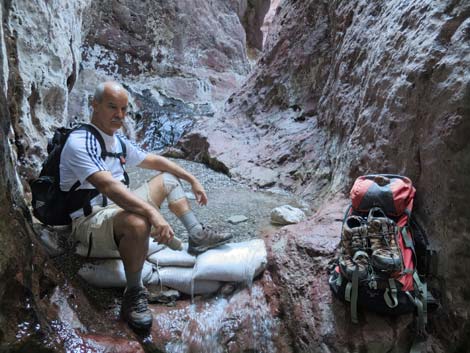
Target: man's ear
pixel 94 104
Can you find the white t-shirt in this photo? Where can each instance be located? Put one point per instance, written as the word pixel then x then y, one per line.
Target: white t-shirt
pixel 81 158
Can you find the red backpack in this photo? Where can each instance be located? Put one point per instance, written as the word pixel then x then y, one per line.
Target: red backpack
pixel 377 266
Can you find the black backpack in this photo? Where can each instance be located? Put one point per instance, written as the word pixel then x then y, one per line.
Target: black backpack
pixel 51 205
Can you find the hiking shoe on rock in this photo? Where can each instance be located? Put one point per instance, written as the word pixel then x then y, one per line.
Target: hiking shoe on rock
pixel 382 231
pixel 206 239
pixel 134 308
pixel 353 256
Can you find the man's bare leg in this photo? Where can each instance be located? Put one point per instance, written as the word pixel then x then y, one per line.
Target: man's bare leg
pixel 200 238
pixel 168 186
pixel 132 234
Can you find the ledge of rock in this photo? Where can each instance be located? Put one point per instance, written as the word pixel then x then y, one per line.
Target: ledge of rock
pixel 299 258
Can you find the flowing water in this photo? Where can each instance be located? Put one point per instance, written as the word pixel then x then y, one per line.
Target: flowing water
pixel 242 323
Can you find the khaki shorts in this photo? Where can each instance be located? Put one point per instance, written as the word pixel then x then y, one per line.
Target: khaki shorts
pixel 94 234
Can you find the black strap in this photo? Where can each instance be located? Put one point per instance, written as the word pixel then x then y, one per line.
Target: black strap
pixel 122 159
pixel 91 129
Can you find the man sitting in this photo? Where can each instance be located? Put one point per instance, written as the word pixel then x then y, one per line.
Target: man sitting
pixel 128 220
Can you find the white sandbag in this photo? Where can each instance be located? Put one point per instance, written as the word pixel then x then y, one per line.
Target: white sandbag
pixel 179 278
pixel 168 257
pixel 154 247
pixel 110 273
pixel 234 262
pixel 82 250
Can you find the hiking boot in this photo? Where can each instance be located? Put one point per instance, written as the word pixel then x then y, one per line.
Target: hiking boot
pixel 354 233
pixel 206 239
pixel 134 308
pixel 359 262
pixel 353 257
pixel 382 231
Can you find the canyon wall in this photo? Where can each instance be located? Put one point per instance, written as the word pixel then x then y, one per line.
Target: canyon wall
pixel 348 88
pixel 179 61
pixel 341 89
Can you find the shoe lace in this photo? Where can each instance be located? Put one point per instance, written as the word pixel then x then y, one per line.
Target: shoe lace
pixel 211 234
pixel 138 301
pixel 357 241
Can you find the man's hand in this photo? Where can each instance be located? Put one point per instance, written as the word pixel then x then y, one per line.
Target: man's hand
pixel 199 192
pixel 161 230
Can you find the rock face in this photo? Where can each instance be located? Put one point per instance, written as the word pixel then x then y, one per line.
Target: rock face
pixel 22 271
pixel 342 89
pixel 348 88
pixel 252 16
pixel 43 52
pixel 179 61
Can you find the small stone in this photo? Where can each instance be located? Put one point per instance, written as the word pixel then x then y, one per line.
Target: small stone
pixel 286 214
pixel 163 296
pixel 228 288
pixel 237 219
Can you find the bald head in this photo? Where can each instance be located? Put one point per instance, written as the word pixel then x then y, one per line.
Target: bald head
pixel 106 88
pixel 109 106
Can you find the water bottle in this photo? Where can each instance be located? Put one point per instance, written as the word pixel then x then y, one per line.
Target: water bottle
pixel 174 244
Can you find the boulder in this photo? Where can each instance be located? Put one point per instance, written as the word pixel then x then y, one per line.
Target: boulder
pixel 287 214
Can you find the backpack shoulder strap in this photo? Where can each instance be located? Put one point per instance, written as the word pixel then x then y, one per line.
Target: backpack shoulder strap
pixel 104 153
pixel 97 135
pixel 122 159
pixel 87 127
pixel 123 145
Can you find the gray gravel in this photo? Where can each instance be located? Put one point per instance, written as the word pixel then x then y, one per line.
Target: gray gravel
pixel 226 198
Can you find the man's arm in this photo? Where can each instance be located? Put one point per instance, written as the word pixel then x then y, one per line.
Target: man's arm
pixel 163 164
pixel 104 182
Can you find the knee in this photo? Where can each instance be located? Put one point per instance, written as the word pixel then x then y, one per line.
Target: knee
pixel 170 182
pixel 166 181
pixel 137 226
pixel 173 188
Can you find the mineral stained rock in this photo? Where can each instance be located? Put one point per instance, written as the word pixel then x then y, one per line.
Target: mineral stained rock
pixel 341 89
pixel 349 88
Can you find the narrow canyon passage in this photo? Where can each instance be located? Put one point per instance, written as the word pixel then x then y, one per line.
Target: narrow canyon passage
pixel 281 95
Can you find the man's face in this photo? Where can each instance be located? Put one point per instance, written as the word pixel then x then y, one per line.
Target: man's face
pixel 109 114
